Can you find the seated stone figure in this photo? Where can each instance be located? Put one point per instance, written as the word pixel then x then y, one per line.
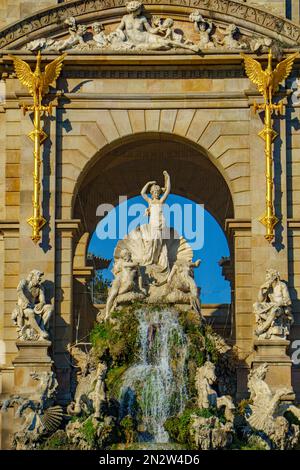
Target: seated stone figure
pixel 273 310
pixel 181 284
pixel 32 313
pixel 127 285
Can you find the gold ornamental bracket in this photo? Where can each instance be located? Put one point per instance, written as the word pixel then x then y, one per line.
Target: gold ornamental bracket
pixel 37 83
pixel 267 82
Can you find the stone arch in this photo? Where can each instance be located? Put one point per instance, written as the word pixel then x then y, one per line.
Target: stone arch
pixel 222 141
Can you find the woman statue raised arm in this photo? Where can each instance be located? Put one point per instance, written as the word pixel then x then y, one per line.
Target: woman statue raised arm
pixel 156 252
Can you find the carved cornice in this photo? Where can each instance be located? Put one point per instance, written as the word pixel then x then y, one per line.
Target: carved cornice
pixel 49 21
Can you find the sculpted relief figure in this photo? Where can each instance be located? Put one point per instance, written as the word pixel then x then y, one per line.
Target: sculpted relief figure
pixel 37 416
pixel 99 36
pixel 136 29
pixel 229 38
pixel 266 411
pixel 76 33
pixel 273 310
pixel 142 32
pixel 204 28
pixel 90 393
pixel 32 314
pixel 75 38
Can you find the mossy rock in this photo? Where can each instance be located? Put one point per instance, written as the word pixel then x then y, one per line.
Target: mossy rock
pixel 58 441
pixel 116 341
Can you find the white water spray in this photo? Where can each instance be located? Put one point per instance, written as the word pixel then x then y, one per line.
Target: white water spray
pixel 154 387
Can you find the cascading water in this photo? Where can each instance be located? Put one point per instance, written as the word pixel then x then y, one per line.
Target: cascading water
pixel 154 387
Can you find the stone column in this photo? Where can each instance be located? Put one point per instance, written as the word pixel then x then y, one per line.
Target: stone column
pixel 63 328
pixel 240 231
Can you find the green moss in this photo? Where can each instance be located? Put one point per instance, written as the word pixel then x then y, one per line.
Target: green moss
pixel 116 341
pixel 58 441
pixel 128 426
pixel 114 380
pixel 178 427
pixel 89 433
pixel 242 444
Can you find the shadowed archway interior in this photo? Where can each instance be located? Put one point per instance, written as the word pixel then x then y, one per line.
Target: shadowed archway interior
pixel 124 169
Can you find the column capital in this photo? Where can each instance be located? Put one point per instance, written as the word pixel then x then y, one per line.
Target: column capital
pixel 235 225
pixel 68 225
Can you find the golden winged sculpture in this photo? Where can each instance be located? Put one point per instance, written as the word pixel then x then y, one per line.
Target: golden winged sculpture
pixel 267 82
pixel 37 83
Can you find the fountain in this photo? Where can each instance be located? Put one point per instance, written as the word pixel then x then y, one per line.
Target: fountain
pixel 156 375
pixel 155 385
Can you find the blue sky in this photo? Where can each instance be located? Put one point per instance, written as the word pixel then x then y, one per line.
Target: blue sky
pixel 214 289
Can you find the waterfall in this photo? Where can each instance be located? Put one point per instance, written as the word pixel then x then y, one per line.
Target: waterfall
pixel 154 387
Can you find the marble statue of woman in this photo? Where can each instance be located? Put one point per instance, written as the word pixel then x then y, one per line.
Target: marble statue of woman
pixel 153 234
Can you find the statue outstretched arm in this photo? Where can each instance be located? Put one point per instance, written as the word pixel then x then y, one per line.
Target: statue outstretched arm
pixel 196 263
pixel 167 186
pixel 145 189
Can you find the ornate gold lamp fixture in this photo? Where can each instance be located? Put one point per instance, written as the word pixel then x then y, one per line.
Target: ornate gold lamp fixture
pixel 37 83
pixel 267 82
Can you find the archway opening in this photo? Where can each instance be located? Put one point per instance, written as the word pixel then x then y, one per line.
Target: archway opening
pixel 122 170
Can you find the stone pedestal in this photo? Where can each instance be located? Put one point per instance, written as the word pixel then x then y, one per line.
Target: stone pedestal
pixel 33 357
pixel 273 352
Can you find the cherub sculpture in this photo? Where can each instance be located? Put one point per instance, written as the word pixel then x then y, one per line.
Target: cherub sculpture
pixel 229 37
pixel 273 312
pixel 76 34
pixel 32 313
pixel 99 36
pixel 204 28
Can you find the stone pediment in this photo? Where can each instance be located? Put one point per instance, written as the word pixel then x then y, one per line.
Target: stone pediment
pixel 191 26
